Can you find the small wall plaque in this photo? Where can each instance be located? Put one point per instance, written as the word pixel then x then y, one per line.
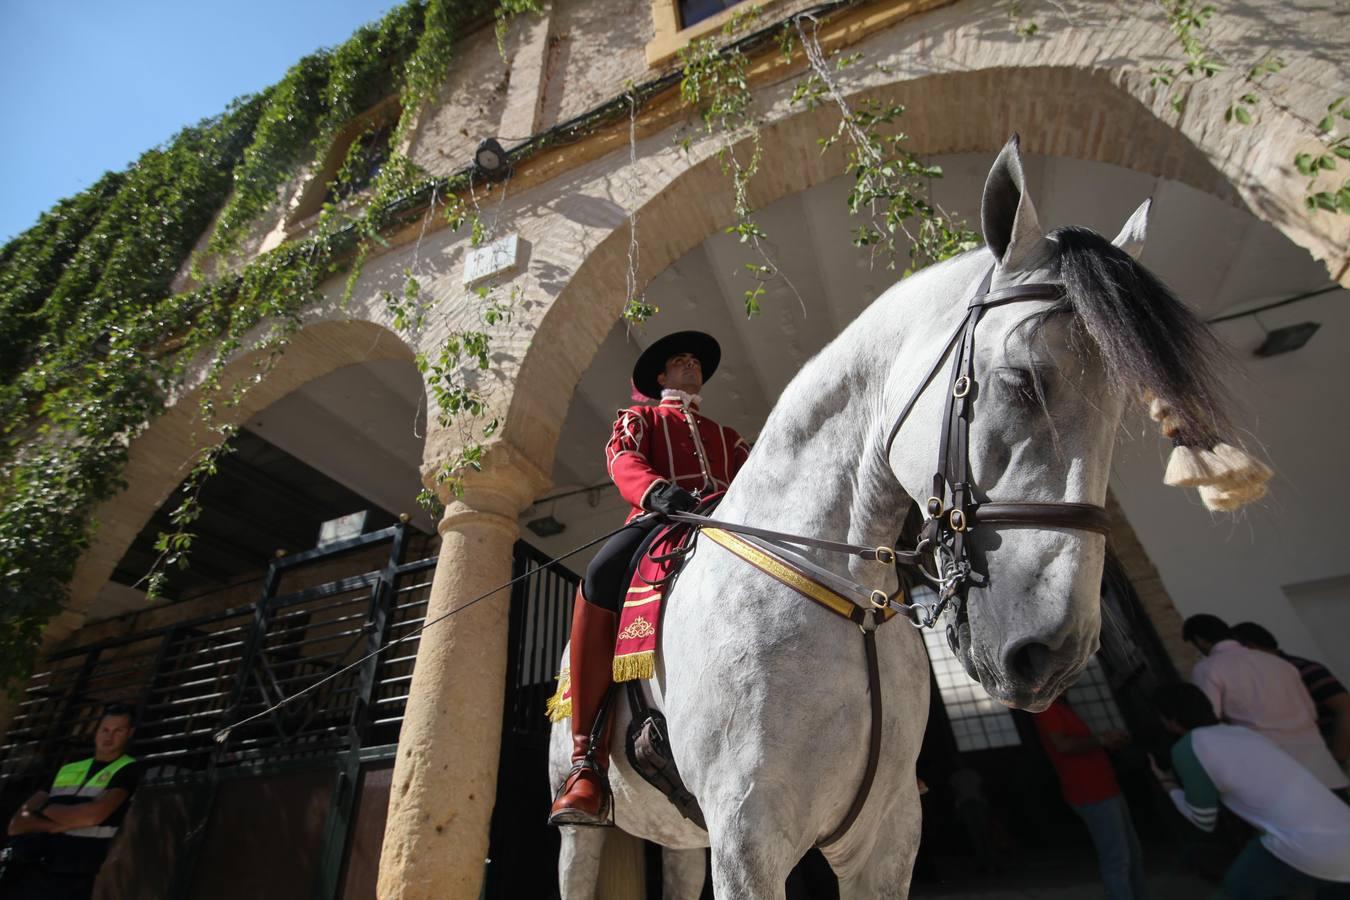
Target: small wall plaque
pixel 490 260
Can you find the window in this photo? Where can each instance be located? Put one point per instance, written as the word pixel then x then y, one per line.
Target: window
pixel 363 147
pixel 365 157
pixel 1090 696
pixel 979 722
pixel 677 22
pixel 694 11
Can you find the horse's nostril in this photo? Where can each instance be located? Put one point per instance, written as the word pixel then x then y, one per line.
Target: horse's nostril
pixel 1030 661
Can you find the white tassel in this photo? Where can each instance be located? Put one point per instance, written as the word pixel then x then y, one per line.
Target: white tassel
pixel 1243 467
pixel 1194 467
pixel 1218 499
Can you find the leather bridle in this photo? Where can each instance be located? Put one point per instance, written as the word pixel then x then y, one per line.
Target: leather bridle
pixel 952 510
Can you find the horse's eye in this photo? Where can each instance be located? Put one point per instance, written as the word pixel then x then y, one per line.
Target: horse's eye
pixel 1019 386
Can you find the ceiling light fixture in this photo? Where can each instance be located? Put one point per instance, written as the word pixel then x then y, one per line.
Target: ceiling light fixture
pixel 1286 339
pixel 546 526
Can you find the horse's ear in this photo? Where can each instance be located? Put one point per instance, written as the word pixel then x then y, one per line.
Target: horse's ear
pixel 1131 237
pixel 1011 228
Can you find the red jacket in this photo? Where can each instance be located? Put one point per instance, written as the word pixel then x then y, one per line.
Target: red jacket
pixel 655 444
pixel 1086 776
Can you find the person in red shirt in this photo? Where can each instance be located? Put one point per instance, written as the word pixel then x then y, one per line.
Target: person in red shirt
pixel 662 458
pixel 1089 786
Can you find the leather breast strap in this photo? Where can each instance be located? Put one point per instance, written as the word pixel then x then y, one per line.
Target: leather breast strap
pixel 867 620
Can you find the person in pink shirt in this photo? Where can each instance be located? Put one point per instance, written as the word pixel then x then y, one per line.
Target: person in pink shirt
pixel 1261 692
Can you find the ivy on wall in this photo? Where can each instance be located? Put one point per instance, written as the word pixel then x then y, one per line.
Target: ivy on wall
pixel 93 339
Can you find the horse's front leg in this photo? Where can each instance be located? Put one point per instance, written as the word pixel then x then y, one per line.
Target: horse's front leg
pixel 878 863
pixel 682 874
pixel 579 861
pixel 752 851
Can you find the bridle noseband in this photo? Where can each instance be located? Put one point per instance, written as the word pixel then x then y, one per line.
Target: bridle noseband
pixel 951 510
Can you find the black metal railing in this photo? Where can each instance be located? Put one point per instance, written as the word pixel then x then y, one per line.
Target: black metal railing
pixel 191 678
pixel 319 612
pixel 541 621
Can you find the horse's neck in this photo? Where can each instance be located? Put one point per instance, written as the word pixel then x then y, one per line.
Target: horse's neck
pixel 819 467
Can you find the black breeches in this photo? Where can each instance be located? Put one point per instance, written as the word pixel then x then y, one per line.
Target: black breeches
pixel 605 577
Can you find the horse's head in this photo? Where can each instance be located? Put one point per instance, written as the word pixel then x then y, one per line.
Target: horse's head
pixel 1051 377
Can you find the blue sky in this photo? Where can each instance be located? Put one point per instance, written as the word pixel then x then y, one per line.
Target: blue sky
pixel 88 85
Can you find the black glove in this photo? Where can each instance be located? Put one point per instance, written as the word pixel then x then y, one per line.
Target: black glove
pixel 670 498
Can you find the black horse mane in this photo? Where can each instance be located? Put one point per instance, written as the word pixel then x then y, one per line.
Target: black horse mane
pixel 1147 339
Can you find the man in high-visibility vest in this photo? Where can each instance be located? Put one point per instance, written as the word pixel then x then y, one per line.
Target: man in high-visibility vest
pixel 61 836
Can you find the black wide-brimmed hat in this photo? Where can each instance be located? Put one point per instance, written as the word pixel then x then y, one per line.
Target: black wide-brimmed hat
pixel 652 362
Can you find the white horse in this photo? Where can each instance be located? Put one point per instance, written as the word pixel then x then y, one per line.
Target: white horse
pixel 765 692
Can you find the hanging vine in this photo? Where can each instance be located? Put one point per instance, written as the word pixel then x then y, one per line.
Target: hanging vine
pixel 716 83
pixel 95 342
pixel 891 184
pixel 1188 21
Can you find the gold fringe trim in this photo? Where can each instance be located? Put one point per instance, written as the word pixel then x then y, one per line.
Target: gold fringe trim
pixel 559 707
pixel 633 666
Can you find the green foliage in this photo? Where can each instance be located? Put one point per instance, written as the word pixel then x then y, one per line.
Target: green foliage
pixel 285 138
pixel 639 310
pixel 1336 147
pixel 715 81
pixel 1020 24
pixel 508 10
pixel 890 190
pixel 369 66
pixel 1187 19
pixel 94 341
pixel 452 379
pixel 31 263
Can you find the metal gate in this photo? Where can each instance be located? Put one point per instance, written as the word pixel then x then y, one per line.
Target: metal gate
pixel 300 792
pixel 523 849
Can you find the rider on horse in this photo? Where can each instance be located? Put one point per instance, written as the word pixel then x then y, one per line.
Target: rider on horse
pixel 662 458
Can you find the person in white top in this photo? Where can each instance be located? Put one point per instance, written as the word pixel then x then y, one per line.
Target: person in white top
pixel 1304 829
pixel 1261 692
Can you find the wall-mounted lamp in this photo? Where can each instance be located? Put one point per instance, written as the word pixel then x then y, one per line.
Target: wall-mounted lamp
pixel 547 526
pixel 490 161
pixel 1287 339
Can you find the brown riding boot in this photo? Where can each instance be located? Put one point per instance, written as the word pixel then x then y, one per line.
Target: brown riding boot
pixel 584 798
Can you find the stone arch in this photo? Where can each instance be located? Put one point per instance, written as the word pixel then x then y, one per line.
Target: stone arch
pixel 161 456
pixel 1081 114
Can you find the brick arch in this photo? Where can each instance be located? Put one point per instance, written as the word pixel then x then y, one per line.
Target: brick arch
pixel 161 456
pixel 1083 114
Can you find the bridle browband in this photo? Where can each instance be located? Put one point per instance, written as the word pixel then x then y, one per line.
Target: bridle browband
pixel 952 509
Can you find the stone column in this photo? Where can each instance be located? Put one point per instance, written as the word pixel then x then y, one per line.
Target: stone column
pixel 445 773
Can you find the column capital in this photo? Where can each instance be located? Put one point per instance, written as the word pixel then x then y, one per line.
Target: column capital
pixel 507 483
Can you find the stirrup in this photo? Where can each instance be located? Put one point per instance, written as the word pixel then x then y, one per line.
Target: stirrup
pixel 604 818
